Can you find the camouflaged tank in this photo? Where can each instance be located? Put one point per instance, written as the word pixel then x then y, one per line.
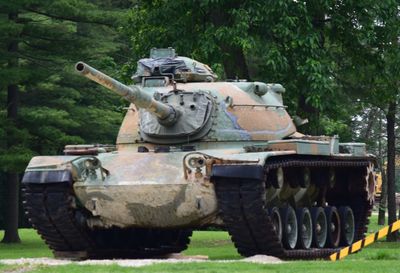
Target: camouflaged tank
pixel 193 152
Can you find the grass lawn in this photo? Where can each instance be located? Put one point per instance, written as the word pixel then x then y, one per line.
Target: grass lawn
pixel 31 246
pixel 379 257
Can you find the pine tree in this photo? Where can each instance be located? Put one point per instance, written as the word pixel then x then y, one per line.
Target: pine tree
pixel 46 105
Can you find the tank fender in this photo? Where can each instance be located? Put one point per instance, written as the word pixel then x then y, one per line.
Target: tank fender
pixel 238 171
pixel 43 177
pixel 241 165
pixel 64 169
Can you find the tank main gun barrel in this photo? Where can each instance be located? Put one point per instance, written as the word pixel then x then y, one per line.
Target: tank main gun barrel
pixel 166 114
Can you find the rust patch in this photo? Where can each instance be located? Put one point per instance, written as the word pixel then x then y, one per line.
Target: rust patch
pixel 282 146
pixel 314 149
pixel 129 132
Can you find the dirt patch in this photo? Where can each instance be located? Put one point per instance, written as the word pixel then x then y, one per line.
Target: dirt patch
pixel 19 269
pixel 174 258
pixel 263 259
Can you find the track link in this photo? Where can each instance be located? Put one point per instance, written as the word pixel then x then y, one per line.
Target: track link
pixel 51 212
pixel 243 207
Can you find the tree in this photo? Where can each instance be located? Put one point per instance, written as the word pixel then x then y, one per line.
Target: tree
pixel 11 227
pixel 44 109
pixel 370 42
pixel 270 41
pixel 391 167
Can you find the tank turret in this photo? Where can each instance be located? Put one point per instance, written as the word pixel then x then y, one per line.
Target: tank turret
pixel 169 117
pixel 166 114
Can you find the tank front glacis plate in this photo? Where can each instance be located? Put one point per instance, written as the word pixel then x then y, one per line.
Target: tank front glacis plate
pixel 150 205
pixel 147 190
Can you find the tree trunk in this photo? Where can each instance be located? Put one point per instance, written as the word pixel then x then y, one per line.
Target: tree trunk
pixel 383 201
pixel 12 184
pixel 391 165
pixel 11 217
pixel 370 123
pixel 233 58
pixel 399 214
pixel 234 63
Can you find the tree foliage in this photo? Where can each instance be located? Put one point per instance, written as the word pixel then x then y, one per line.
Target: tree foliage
pixel 280 41
pixel 56 106
pixel 46 105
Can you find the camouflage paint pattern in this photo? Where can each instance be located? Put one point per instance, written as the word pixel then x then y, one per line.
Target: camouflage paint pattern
pixel 149 189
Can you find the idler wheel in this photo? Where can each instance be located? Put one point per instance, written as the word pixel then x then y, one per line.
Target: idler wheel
pixel 319 227
pixel 370 178
pixel 304 223
pixel 347 225
pixel 334 227
pixel 289 224
pixel 276 221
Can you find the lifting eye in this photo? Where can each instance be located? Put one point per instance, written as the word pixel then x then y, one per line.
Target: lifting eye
pixel 196 162
pixel 92 163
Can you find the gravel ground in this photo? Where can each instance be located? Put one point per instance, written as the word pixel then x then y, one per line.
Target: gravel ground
pixel 175 258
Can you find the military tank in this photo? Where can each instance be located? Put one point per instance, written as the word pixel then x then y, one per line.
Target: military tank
pixel 193 152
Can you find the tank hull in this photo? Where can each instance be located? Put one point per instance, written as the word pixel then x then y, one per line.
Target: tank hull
pixel 129 190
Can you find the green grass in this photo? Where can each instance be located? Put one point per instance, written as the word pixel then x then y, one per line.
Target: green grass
pixel 379 257
pixel 373 224
pixel 9 268
pixel 31 246
pixel 217 245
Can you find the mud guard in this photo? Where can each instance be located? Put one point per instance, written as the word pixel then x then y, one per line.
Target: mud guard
pixel 46 177
pixel 238 171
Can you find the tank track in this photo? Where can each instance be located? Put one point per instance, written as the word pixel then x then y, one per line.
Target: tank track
pixel 243 207
pixel 52 212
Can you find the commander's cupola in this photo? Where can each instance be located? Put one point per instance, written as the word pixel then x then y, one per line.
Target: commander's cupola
pixel 164 66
